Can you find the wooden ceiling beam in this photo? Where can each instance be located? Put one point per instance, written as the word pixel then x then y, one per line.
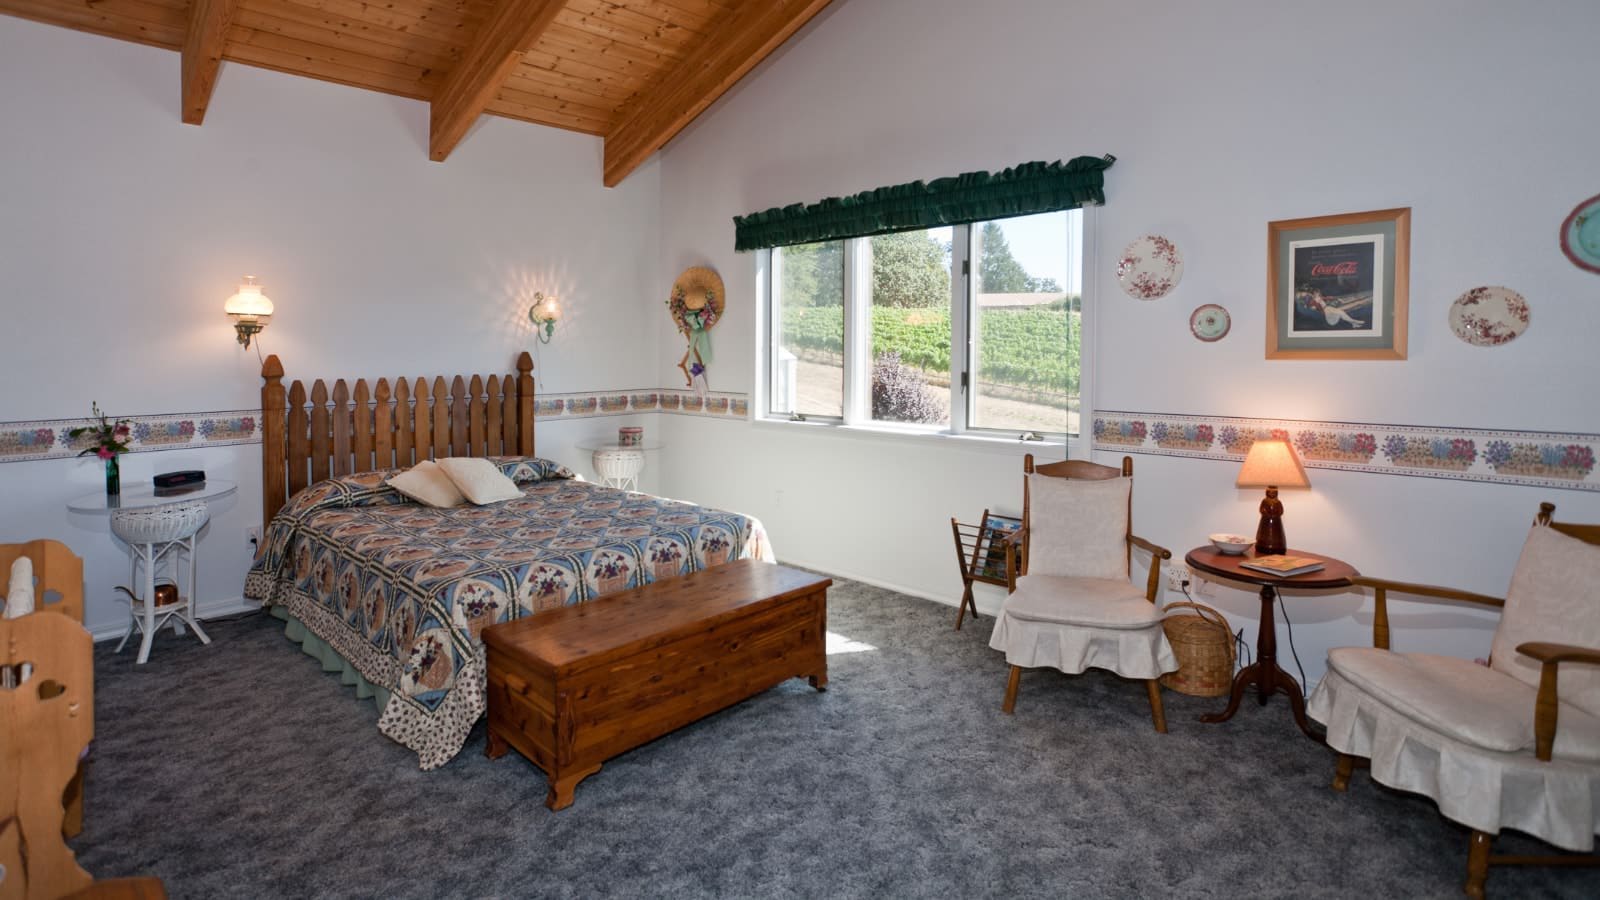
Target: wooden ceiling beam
pixel 209 21
pixel 511 30
pixel 744 39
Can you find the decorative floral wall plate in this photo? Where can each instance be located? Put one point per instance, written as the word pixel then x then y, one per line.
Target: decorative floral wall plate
pixel 1489 316
pixel 1580 235
pixel 1150 267
pixel 1210 322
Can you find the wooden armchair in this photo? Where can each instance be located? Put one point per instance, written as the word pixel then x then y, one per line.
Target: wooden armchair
pixel 1071 604
pixel 1483 741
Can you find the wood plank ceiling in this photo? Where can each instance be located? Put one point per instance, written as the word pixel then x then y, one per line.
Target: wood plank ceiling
pixel 634 72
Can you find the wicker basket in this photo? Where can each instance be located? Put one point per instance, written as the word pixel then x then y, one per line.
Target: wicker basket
pixel 1204 646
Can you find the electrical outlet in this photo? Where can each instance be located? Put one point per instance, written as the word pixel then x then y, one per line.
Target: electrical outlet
pixel 252 535
pixel 1178 577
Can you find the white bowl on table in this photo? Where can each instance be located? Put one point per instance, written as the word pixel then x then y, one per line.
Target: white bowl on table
pixel 1231 544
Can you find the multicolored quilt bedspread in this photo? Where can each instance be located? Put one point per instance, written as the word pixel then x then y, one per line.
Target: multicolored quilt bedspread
pixel 402 591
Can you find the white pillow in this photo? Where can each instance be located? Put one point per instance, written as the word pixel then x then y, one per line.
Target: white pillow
pixel 479 480
pixel 1552 598
pixel 427 484
pixel 19 597
pixel 1078 527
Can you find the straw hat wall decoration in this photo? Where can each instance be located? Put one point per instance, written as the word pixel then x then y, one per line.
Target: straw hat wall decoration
pixel 696 305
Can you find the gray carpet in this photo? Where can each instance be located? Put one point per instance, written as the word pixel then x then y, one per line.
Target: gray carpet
pixel 241 769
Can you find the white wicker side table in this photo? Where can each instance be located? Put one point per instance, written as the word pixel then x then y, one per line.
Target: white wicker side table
pixel 618 465
pixel 161 531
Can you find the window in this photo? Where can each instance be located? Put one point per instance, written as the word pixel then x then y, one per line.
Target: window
pixel 808 330
pixel 968 328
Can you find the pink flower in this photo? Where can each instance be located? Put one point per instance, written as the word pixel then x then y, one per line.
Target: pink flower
pixel 104 453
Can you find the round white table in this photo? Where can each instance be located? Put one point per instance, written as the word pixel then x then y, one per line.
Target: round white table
pixel 619 465
pixel 159 527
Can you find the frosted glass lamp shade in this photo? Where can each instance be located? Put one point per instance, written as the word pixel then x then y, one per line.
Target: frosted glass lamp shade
pixel 544 314
pixel 250 310
pixel 1272 463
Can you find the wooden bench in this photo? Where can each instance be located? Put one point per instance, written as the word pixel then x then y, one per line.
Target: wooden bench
pixel 573 687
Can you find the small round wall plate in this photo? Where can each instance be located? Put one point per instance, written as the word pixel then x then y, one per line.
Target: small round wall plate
pixel 1580 235
pixel 1210 322
pixel 1489 316
pixel 1150 267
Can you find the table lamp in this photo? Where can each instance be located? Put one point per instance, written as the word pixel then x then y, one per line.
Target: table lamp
pixel 1271 464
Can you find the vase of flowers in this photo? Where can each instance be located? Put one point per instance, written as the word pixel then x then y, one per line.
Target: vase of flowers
pixel 106 439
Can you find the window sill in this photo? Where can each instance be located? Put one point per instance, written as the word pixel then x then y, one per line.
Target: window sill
pixel 981 443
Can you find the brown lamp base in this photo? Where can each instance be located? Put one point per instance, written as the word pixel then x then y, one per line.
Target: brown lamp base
pixel 1269 534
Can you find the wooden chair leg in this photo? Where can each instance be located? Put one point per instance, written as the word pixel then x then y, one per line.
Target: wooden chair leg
pixel 1015 679
pixel 1157 712
pixel 1342 770
pixel 1477 864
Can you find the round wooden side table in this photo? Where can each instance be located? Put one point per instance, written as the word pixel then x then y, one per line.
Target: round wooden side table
pixel 1265 672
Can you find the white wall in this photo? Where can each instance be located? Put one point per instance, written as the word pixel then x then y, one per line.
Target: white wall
pixel 123 230
pixel 1223 116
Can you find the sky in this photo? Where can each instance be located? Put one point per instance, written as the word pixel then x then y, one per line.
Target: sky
pixel 1038 243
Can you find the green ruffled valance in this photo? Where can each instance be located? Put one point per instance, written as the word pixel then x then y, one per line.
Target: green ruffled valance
pixel 1034 187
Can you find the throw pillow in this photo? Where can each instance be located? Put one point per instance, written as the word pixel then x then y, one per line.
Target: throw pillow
pixel 1552 598
pixel 427 484
pixel 1078 528
pixel 479 480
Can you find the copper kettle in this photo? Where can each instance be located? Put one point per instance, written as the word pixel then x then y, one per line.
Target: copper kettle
pixel 166 594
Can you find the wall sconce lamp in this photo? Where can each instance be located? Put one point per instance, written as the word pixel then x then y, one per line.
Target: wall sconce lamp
pixel 544 314
pixel 1271 464
pixel 250 310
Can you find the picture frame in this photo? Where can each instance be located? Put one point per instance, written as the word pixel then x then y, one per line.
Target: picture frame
pixel 1338 287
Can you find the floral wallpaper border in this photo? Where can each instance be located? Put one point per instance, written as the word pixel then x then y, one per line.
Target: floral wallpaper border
pixel 47 439
pixel 718 404
pixel 1538 458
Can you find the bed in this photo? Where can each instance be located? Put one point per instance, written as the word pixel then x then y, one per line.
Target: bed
pixel 396 594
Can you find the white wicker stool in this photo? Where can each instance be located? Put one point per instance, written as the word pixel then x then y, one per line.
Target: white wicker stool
pixel 619 467
pixel 158 535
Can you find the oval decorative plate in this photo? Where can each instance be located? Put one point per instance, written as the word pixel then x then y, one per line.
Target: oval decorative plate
pixel 1150 267
pixel 1580 235
pixel 1210 322
pixel 1489 316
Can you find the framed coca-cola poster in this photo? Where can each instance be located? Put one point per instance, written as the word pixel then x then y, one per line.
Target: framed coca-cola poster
pixel 1337 286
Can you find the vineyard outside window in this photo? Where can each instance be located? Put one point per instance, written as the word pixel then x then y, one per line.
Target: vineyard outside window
pixel 968 328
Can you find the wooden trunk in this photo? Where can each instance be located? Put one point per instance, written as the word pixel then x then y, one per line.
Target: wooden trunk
pixel 573 687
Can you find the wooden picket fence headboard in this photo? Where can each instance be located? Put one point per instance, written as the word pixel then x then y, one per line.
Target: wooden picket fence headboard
pixel 306 438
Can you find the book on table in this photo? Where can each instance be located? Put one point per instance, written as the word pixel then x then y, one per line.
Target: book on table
pixel 1283 566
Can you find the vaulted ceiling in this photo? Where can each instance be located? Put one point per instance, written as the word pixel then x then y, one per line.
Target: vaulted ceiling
pixel 634 72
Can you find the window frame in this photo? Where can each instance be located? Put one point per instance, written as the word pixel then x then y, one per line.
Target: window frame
pixel 856 404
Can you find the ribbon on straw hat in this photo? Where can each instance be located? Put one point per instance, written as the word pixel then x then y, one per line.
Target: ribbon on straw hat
pixel 696 304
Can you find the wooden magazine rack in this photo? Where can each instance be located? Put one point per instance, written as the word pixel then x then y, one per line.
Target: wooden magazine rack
pixel 986 554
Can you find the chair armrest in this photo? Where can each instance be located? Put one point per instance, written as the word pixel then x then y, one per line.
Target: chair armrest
pixel 1155 549
pixel 1425 590
pixel 1547 706
pixel 1013 544
pixel 1152 582
pixel 1549 653
pixel 1381 587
